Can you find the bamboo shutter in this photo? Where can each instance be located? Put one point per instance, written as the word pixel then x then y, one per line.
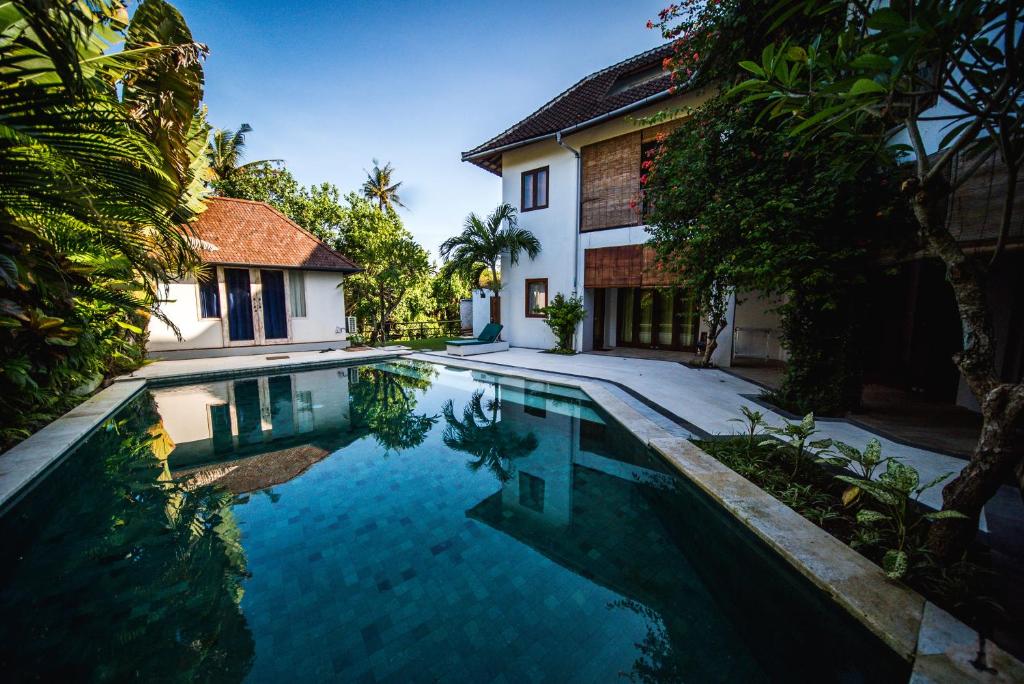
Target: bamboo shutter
pixel 611 183
pixel 625 266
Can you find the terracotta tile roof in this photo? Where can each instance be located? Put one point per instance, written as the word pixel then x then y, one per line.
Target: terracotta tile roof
pixel 617 86
pixel 247 233
pixel 255 472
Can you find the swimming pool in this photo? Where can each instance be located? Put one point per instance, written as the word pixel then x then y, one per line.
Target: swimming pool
pixel 397 522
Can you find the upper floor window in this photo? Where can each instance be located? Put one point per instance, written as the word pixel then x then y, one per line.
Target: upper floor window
pixel 534 192
pixel 209 296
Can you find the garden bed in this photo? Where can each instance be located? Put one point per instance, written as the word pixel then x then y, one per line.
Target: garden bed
pixel 968 589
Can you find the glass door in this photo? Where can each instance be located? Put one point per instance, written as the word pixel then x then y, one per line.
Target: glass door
pixel 239 291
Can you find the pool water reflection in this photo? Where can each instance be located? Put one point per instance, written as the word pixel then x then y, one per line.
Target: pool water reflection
pixel 396 522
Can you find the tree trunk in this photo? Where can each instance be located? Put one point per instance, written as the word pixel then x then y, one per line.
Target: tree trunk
pixel 1001 403
pixel 992 461
pixel 713 332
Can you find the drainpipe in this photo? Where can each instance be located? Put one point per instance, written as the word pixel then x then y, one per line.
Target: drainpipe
pixel 576 222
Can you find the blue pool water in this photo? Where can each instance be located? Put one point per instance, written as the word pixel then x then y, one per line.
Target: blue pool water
pixel 396 522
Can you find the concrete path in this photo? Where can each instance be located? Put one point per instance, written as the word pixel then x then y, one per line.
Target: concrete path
pixel 183 369
pixel 709 400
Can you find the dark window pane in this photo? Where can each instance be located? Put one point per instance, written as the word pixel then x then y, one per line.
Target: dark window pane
pixel 209 298
pixel 527 191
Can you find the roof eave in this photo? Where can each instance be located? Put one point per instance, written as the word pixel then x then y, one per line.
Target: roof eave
pixel 485 158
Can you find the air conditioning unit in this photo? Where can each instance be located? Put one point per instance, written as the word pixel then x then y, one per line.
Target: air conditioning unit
pixel 351 325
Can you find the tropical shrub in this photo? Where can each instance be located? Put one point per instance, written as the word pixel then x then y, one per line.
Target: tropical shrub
pixel 893 492
pixel 563 315
pixel 102 160
pixel 794 439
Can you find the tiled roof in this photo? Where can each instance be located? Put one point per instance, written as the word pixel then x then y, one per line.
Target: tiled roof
pixel 247 233
pixel 599 93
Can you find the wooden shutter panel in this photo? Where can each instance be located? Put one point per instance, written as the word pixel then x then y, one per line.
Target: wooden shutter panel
pixel 611 182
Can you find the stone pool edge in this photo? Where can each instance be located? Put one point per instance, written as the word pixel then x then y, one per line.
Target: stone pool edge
pixel 26 463
pixel 938 646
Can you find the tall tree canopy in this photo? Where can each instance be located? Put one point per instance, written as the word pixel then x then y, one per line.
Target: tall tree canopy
pixel 225 152
pixel 734 203
pixel 394 265
pixel 101 163
pixel 317 208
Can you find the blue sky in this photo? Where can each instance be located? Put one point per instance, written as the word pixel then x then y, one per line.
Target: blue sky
pixel 328 86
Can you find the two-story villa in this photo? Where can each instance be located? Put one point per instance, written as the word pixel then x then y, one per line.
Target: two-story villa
pixel 573 170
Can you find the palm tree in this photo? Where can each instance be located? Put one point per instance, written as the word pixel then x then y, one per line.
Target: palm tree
pixel 227 149
pixel 479 246
pixel 480 433
pixel 379 188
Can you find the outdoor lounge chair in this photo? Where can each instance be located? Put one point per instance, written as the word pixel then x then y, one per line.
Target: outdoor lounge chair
pixel 484 343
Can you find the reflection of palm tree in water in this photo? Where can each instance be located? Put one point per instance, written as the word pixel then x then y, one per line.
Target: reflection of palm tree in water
pixel 384 402
pixel 492 444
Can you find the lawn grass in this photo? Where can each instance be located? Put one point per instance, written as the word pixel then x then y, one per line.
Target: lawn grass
pixel 424 344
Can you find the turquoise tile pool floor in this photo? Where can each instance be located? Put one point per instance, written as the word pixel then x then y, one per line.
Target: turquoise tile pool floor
pixel 393 523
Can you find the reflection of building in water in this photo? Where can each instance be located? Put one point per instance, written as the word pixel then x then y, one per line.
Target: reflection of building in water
pixel 251 433
pixel 590 500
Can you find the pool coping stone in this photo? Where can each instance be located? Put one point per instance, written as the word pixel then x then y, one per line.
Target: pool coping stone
pixel 23 464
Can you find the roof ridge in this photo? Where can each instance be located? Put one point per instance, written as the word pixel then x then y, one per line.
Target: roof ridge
pixel 555 100
pixel 306 232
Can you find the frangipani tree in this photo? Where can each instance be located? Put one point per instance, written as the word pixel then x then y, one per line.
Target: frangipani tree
pixel 897 68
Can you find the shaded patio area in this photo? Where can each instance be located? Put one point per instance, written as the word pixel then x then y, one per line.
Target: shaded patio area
pixel 903 415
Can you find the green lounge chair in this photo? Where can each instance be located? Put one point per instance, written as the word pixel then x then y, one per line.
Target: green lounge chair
pixel 485 342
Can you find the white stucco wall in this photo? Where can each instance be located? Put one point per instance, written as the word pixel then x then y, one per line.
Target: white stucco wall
pixel 325 309
pixel 482 311
pixel 561 258
pixel 182 308
pixel 324 320
pixel 756 312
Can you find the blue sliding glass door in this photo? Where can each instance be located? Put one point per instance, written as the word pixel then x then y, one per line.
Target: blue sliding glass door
pixel 239 305
pixel 275 317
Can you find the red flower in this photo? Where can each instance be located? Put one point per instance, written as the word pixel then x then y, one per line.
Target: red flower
pixel 646 165
pixel 643 179
pixel 650 24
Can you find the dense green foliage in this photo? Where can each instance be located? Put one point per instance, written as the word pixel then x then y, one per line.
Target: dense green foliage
pixel 394 265
pixel 102 160
pixel 564 314
pixel 839 488
pixel 318 208
pixel 878 76
pixel 479 247
pixel 735 202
